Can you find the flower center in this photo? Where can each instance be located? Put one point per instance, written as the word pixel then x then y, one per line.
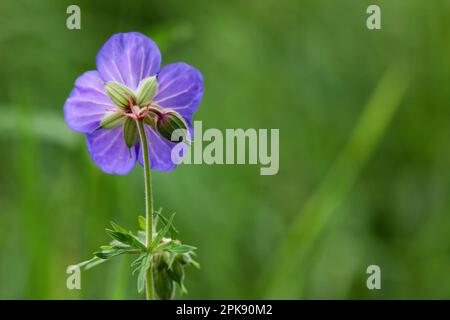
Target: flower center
pixel 138 104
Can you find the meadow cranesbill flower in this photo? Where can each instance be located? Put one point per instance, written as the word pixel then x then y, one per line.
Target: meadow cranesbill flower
pixel 130 109
pixel 128 85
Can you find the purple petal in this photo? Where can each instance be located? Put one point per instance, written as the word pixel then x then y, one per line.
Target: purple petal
pixel 160 151
pixel 108 150
pixel 180 89
pixel 87 103
pixel 128 58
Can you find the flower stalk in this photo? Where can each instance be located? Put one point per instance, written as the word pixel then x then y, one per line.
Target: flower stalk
pixel 150 295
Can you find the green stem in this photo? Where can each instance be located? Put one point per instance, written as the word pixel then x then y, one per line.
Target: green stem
pixel 148 206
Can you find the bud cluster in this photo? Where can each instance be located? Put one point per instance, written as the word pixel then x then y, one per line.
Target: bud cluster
pixel 165 256
pixel 132 107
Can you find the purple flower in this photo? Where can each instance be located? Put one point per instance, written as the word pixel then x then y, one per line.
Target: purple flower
pixel 128 65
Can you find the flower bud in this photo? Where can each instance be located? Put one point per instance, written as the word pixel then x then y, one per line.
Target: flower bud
pixel 176 272
pixel 164 285
pixel 146 90
pixel 119 94
pixel 168 123
pixel 130 133
pixel 111 120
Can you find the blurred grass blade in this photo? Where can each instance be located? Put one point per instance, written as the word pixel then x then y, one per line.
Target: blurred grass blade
pixel 43 126
pixel 277 281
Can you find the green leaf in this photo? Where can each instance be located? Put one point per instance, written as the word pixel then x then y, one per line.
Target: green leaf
pixel 118 228
pixel 145 265
pixel 111 120
pixel 107 254
pixel 130 133
pixel 126 238
pixel 182 248
pixel 146 90
pixel 135 242
pixel 88 264
pixel 175 247
pixel 119 236
pixel 166 246
pixel 118 245
pixel 94 263
pixel 136 264
pixel 172 231
pixel 161 233
pixel 137 261
pixel 119 94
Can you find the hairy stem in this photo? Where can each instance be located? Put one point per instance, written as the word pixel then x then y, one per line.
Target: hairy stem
pixel 148 206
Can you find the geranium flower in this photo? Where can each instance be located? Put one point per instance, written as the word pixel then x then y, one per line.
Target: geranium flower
pixel 129 85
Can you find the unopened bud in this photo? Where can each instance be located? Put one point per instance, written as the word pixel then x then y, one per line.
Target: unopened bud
pixel 176 272
pixel 164 285
pixel 111 120
pixel 130 133
pixel 146 90
pixel 119 94
pixel 172 122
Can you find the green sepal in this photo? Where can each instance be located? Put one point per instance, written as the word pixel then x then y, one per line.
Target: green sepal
pixel 186 259
pixel 175 247
pixel 119 94
pixel 168 259
pixel 169 122
pixel 130 133
pixel 111 120
pixel 146 91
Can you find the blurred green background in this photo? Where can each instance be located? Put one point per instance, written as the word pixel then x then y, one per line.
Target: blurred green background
pixel 364 149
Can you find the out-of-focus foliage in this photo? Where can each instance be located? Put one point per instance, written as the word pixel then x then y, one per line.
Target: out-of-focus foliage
pixel 309 68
